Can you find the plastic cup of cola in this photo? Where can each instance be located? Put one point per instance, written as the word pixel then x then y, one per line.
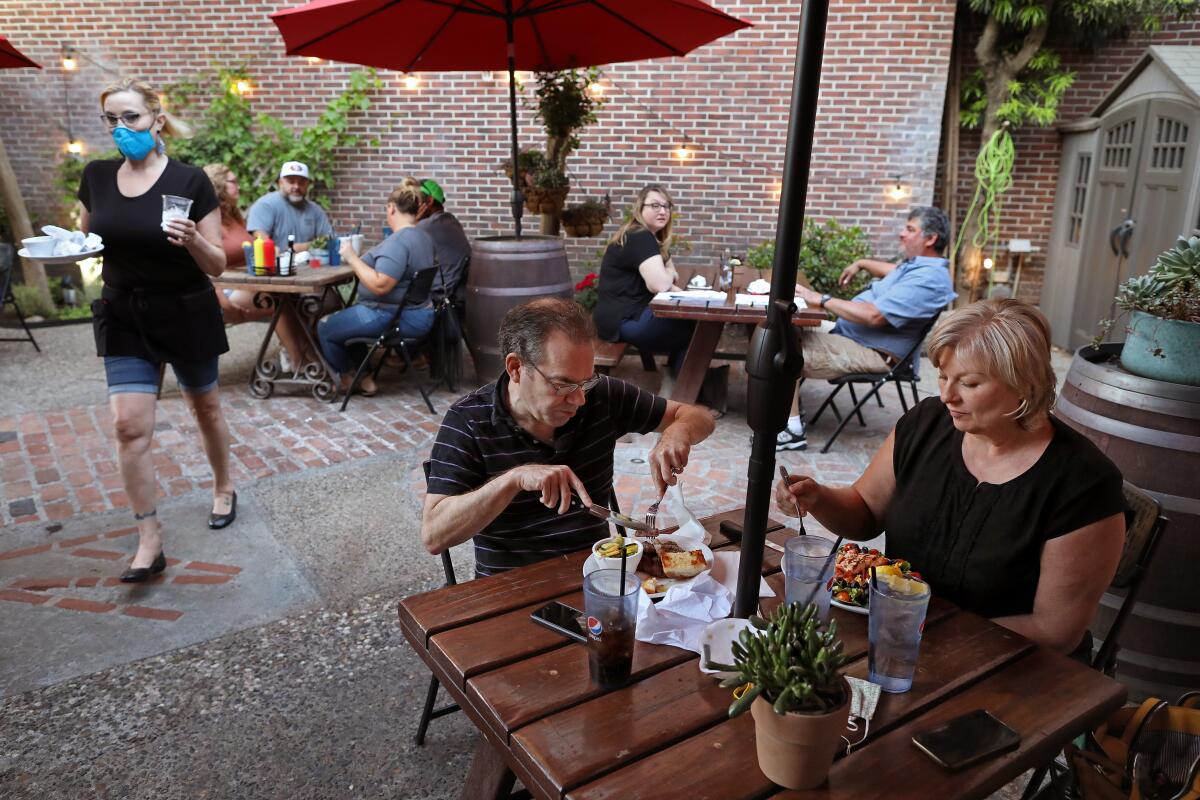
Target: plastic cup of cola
pixel 611 610
pixel 897 618
pixel 808 570
pixel 175 207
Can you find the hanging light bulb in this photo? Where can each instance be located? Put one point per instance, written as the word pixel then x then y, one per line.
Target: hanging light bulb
pixel 412 82
pixel 684 151
pixel 75 147
pixel 241 86
pixel 314 59
pixel 69 62
pixel 988 263
pixel 897 192
pixel 595 90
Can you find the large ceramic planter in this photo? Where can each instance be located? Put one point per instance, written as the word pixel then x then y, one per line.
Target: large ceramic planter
pixel 1163 349
pixel 796 750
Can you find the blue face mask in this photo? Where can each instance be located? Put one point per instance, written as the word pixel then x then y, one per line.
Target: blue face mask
pixel 134 145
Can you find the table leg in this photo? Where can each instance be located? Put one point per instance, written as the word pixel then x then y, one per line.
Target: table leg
pixel 489 777
pixel 266 371
pixel 316 375
pixel 695 362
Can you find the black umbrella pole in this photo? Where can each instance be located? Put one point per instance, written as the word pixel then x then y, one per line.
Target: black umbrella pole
pixel 775 359
pixel 518 202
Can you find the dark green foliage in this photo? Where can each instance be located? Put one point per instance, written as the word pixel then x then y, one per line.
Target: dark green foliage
pixel 825 250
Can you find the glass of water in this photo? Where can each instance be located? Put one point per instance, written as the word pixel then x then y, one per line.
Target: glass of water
pixel 898 606
pixel 808 566
pixel 175 207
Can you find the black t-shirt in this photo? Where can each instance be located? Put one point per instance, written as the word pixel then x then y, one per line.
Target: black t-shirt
pixel 479 440
pixel 622 293
pixel 979 544
pixel 137 254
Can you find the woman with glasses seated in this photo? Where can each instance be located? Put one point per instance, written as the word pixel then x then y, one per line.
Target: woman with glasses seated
pixel 158 303
pixel 384 273
pixel 637 265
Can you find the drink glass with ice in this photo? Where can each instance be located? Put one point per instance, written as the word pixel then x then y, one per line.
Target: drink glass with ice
pixel 611 610
pixel 898 606
pixel 175 207
pixel 808 568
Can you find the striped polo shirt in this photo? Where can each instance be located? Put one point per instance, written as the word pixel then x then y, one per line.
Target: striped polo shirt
pixel 479 440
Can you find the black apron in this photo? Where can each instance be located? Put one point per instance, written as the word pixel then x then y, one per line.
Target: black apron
pixel 173 327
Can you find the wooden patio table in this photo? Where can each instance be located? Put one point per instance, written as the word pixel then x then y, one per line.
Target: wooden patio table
pixel 711 318
pixel 305 294
pixel 667 735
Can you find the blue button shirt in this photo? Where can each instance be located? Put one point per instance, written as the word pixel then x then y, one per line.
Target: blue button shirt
pixel 907 297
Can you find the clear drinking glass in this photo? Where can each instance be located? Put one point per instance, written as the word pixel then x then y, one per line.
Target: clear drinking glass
pixel 898 606
pixel 611 622
pixel 175 207
pixel 808 568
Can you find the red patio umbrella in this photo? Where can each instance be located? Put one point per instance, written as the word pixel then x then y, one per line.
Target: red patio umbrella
pixel 11 57
pixel 457 35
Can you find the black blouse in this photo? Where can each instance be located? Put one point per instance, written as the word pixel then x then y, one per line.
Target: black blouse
pixel 980 544
pixel 623 293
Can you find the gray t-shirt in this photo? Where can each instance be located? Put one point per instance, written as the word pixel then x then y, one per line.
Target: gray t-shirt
pixel 400 256
pixel 278 218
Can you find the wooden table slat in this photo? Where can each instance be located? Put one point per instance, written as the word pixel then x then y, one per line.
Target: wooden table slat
pixel 952 642
pixel 303 282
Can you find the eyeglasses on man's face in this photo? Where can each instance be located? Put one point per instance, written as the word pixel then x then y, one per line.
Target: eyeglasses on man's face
pixel 564 389
pixel 658 206
pixel 127 118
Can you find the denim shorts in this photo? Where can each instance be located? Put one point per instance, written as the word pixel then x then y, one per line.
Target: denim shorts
pixel 130 374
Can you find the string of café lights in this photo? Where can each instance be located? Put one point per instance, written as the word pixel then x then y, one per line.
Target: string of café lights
pixel 685 150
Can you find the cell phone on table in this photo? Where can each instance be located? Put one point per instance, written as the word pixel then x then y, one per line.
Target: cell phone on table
pixel 733 529
pixel 967 740
pixel 562 619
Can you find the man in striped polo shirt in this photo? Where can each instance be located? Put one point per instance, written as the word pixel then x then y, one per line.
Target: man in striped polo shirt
pixel 517 462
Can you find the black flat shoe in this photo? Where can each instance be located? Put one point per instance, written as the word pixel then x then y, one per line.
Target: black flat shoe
pixel 142 574
pixel 218 521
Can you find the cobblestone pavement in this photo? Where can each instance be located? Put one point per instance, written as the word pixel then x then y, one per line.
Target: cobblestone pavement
pixel 301 687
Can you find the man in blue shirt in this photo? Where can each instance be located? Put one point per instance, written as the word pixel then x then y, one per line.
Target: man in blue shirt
pixel 289 211
pixel 883 322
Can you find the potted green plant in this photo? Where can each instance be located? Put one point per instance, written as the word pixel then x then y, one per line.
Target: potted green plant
pixel 318 248
pixel 1163 336
pixel 797 695
pixel 825 250
pixel 548 191
pixel 531 162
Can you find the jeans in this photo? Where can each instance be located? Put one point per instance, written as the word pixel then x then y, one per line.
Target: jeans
pixel 130 374
pixel 653 335
pixel 363 321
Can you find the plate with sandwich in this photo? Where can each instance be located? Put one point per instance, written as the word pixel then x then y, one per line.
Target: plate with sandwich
pixel 663 564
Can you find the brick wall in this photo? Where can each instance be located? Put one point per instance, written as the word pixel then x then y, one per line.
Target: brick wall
pixel 1029 205
pixel 881 105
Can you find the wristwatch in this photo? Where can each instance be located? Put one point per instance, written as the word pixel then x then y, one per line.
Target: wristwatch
pixel 825 298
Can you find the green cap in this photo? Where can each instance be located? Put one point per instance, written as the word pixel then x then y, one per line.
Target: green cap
pixel 432 189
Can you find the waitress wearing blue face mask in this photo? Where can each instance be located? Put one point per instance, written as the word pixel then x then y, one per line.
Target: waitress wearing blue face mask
pixel 158 303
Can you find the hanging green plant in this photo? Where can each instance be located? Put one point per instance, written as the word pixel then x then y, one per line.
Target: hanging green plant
pixel 993 176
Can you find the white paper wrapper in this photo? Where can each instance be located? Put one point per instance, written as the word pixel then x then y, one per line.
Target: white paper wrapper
pixel 68 243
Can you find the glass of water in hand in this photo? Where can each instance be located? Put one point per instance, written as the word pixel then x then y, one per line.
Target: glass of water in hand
pixel 175 207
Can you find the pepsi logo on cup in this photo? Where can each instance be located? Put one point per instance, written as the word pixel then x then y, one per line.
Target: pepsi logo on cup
pixel 594 627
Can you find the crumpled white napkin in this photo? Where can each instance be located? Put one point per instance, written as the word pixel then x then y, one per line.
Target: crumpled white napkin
pixel 69 243
pixel 691 533
pixel 686 610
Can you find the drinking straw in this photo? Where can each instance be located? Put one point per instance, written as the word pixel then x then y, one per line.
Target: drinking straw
pixel 623 544
pixel 832 555
pixel 783 473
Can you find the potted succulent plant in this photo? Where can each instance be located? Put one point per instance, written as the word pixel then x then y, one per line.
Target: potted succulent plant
pixel 796 693
pixel 1163 336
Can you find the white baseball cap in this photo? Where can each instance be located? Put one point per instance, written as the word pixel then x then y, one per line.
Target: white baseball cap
pixel 296 168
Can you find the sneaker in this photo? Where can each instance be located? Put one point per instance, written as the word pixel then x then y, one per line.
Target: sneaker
pixel 788 440
pixel 285 363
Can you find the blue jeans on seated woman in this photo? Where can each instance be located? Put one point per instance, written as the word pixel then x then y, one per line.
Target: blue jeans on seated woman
pixel 363 321
pixel 654 335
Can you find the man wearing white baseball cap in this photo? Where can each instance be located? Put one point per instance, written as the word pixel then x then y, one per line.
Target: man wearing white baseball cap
pixel 289 211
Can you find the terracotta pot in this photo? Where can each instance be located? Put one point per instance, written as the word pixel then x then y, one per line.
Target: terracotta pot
pixel 796 750
pixel 571 230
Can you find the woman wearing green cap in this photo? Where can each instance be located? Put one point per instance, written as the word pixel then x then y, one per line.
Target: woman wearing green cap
pixel 450 241
pixel 637 265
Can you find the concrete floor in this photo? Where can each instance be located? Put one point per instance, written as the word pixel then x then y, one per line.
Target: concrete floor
pixel 288 678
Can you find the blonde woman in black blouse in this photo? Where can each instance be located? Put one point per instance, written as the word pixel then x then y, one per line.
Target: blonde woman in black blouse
pixel 1005 510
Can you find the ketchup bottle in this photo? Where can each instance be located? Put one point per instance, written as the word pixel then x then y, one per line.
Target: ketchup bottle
pixel 269 256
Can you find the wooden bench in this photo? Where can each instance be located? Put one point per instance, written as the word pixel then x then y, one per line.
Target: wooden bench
pixel 609 355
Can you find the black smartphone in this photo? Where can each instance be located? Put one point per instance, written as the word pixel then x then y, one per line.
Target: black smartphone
pixel 562 619
pixel 966 740
pixel 733 529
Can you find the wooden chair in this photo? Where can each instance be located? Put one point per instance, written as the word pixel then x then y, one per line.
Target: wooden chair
pixel 8 298
pixel 1144 526
pixel 904 371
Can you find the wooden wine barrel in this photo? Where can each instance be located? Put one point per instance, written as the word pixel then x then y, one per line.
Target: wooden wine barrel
pixel 506 272
pixel 1151 431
